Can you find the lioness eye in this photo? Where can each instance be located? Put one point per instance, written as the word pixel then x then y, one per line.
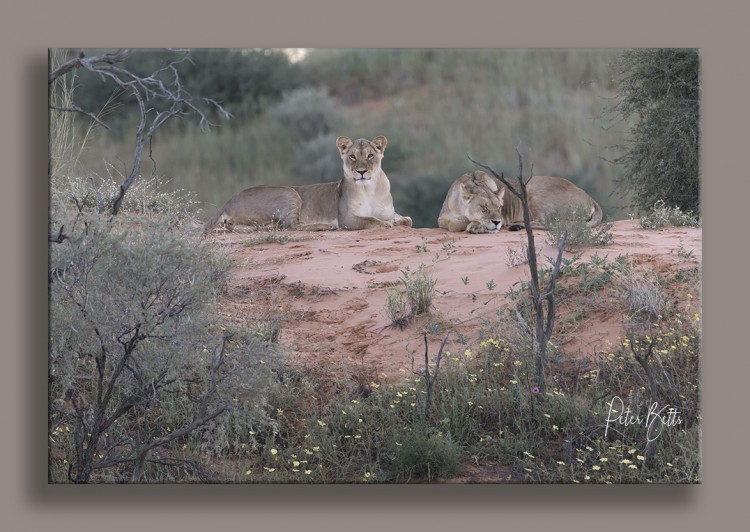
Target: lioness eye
pixel 370 157
pixel 352 157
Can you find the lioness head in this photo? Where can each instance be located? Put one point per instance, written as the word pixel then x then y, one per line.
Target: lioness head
pixel 361 157
pixel 482 203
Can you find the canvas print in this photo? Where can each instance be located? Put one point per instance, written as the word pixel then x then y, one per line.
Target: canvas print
pixel 374 266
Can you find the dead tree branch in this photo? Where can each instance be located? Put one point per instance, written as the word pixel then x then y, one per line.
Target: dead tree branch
pixel 59 237
pixel 76 109
pixel 544 318
pixel 430 378
pixel 163 85
pixel 653 428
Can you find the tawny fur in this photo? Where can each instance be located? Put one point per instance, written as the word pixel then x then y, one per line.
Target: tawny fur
pixel 546 195
pixel 360 200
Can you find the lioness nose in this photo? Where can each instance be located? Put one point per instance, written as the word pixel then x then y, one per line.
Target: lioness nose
pixel 361 172
pixel 497 223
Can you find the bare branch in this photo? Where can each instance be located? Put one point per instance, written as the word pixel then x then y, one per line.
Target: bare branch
pixel 544 320
pixel 430 379
pixel 499 176
pixel 76 109
pixel 144 89
pixel 643 360
pixel 89 63
pixel 60 237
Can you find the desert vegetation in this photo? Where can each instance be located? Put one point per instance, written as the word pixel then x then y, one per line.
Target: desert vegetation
pixel 434 105
pixel 150 382
pixel 661 87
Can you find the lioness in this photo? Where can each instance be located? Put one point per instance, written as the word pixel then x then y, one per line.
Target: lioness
pixel 479 203
pixel 360 200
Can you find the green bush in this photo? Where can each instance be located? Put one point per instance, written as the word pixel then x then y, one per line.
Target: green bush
pixel 306 113
pixel 425 455
pixel 138 365
pixel 660 89
pixel 244 81
pixel 148 195
pixel 580 234
pixel 420 289
pixel 414 300
pixel 421 197
pixel 396 307
pixel 318 160
pixel 663 216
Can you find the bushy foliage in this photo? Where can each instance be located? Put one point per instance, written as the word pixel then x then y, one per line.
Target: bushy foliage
pixel 425 454
pixel 137 360
pixel 415 298
pixel 663 216
pixel 421 196
pixel 579 234
pixel 145 383
pixel 306 113
pixel 244 81
pixel 358 74
pixel 660 90
pixel 319 161
pixel 645 297
pixel 148 195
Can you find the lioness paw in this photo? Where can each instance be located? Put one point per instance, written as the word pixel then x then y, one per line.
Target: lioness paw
pixel 476 228
pixel 403 220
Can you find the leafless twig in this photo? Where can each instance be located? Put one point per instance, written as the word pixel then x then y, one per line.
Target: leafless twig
pixel 544 319
pixel 430 378
pixel 143 89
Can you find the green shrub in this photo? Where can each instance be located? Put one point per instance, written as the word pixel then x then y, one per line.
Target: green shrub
pixel 306 113
pixel 661 90
pixel 579 233
pixel 319 161
pixel 420 289
pixel 414 300
pixel 425 455
pixel 663 216
pixel 147 195
pixel 138 365
pixel 396 307
pixel 645 296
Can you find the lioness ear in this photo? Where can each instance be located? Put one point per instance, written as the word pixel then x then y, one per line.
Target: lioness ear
pixel 500 193
pixel 485 179
pixel 467 190
pixel 343 144
pixel 380 143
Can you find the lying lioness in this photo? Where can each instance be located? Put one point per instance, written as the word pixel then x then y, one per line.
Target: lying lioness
pixel 480 203
pixel 360 200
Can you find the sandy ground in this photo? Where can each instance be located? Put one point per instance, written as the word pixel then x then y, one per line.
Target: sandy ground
pixel 329 289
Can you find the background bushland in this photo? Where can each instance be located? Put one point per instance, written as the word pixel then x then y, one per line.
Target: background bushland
pixel 433 105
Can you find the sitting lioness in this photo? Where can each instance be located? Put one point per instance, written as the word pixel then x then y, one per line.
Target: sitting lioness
pixel 480 203
pixel 360 200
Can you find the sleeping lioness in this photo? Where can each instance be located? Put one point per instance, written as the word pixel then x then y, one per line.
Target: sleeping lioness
pixel 360 200
pixel 480 203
